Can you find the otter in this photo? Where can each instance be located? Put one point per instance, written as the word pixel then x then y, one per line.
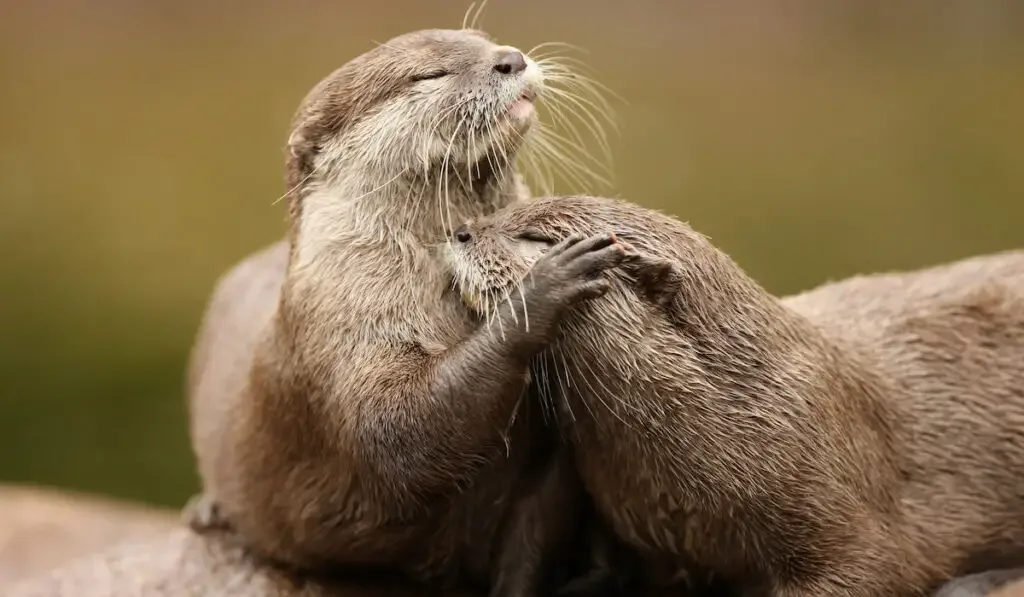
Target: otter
pixel 345 409
pixel 862 438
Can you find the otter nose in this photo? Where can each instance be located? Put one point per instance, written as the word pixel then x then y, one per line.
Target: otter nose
pixel 462 234
pixel 510 62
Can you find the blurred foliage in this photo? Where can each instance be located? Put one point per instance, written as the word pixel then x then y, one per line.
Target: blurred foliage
pixel 140 156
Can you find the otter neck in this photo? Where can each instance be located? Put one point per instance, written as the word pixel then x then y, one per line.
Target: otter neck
pixel 421 206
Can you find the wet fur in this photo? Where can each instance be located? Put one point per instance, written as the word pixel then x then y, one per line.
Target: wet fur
pixel 863 438
pixel 345 410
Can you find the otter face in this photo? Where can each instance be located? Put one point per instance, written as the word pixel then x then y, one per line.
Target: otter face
pixel 490 258
pixel 417 103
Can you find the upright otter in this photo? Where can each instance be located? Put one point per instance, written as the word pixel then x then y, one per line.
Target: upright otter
pixel 865 438
pixel 344 410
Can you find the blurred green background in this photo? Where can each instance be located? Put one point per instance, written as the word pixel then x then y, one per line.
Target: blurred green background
pixel 140 154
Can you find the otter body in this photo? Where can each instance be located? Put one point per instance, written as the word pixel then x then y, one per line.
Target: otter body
pixel 345 409
pixel 864 438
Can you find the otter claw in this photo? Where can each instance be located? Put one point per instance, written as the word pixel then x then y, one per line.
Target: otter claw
pixel 589 245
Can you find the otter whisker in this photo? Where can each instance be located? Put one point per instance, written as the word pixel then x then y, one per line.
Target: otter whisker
pixel 579 140
pixel 489 313
pixel 556 44
pixel 379 188
pixel 489 154
pixel 419 197
pixel 296 186
pixel 535 167
pixel 445 178
pixel 569 168
pixel 575 68
pixel 477 22
pixel 384 45
pixel 556 349
pixel 522 299
pixel 465 16
pixel 470 163
pixel 539 145
pixel 445 113
pixel 529 166
pixel 542 172
pixel 590 120
pixel 561 64
pixel 563 148
pixel 562 78
pixel 537 374
pixel 507 435
pixel 547 394
pixel 500 161
pixel 512 307
pixel 501 326
pixel 565 142
pixel 432 127
pixel 558 116
pixel 580 98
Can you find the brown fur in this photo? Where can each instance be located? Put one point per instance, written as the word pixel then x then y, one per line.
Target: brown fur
pixel 43 528
pixel 345 411
pixel 865 438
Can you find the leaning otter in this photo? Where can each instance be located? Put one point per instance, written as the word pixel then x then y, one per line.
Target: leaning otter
pixel 344 411
pixel 864 438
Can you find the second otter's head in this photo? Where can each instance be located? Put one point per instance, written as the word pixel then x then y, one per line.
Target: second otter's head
pixel 490 258
pixel 417 104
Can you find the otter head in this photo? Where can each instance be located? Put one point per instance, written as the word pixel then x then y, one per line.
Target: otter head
pixel 418 105
pixel 490 258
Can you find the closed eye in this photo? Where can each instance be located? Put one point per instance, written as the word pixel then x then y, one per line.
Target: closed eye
pixel 535 236
pixel 433 74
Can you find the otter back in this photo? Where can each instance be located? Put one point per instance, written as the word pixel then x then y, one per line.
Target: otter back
pixel 865 438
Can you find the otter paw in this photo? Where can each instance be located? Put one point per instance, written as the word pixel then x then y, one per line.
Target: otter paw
pixel 572 269
pixel 658 279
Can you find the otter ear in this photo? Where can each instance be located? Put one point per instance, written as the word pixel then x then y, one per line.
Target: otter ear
pixel 657 279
